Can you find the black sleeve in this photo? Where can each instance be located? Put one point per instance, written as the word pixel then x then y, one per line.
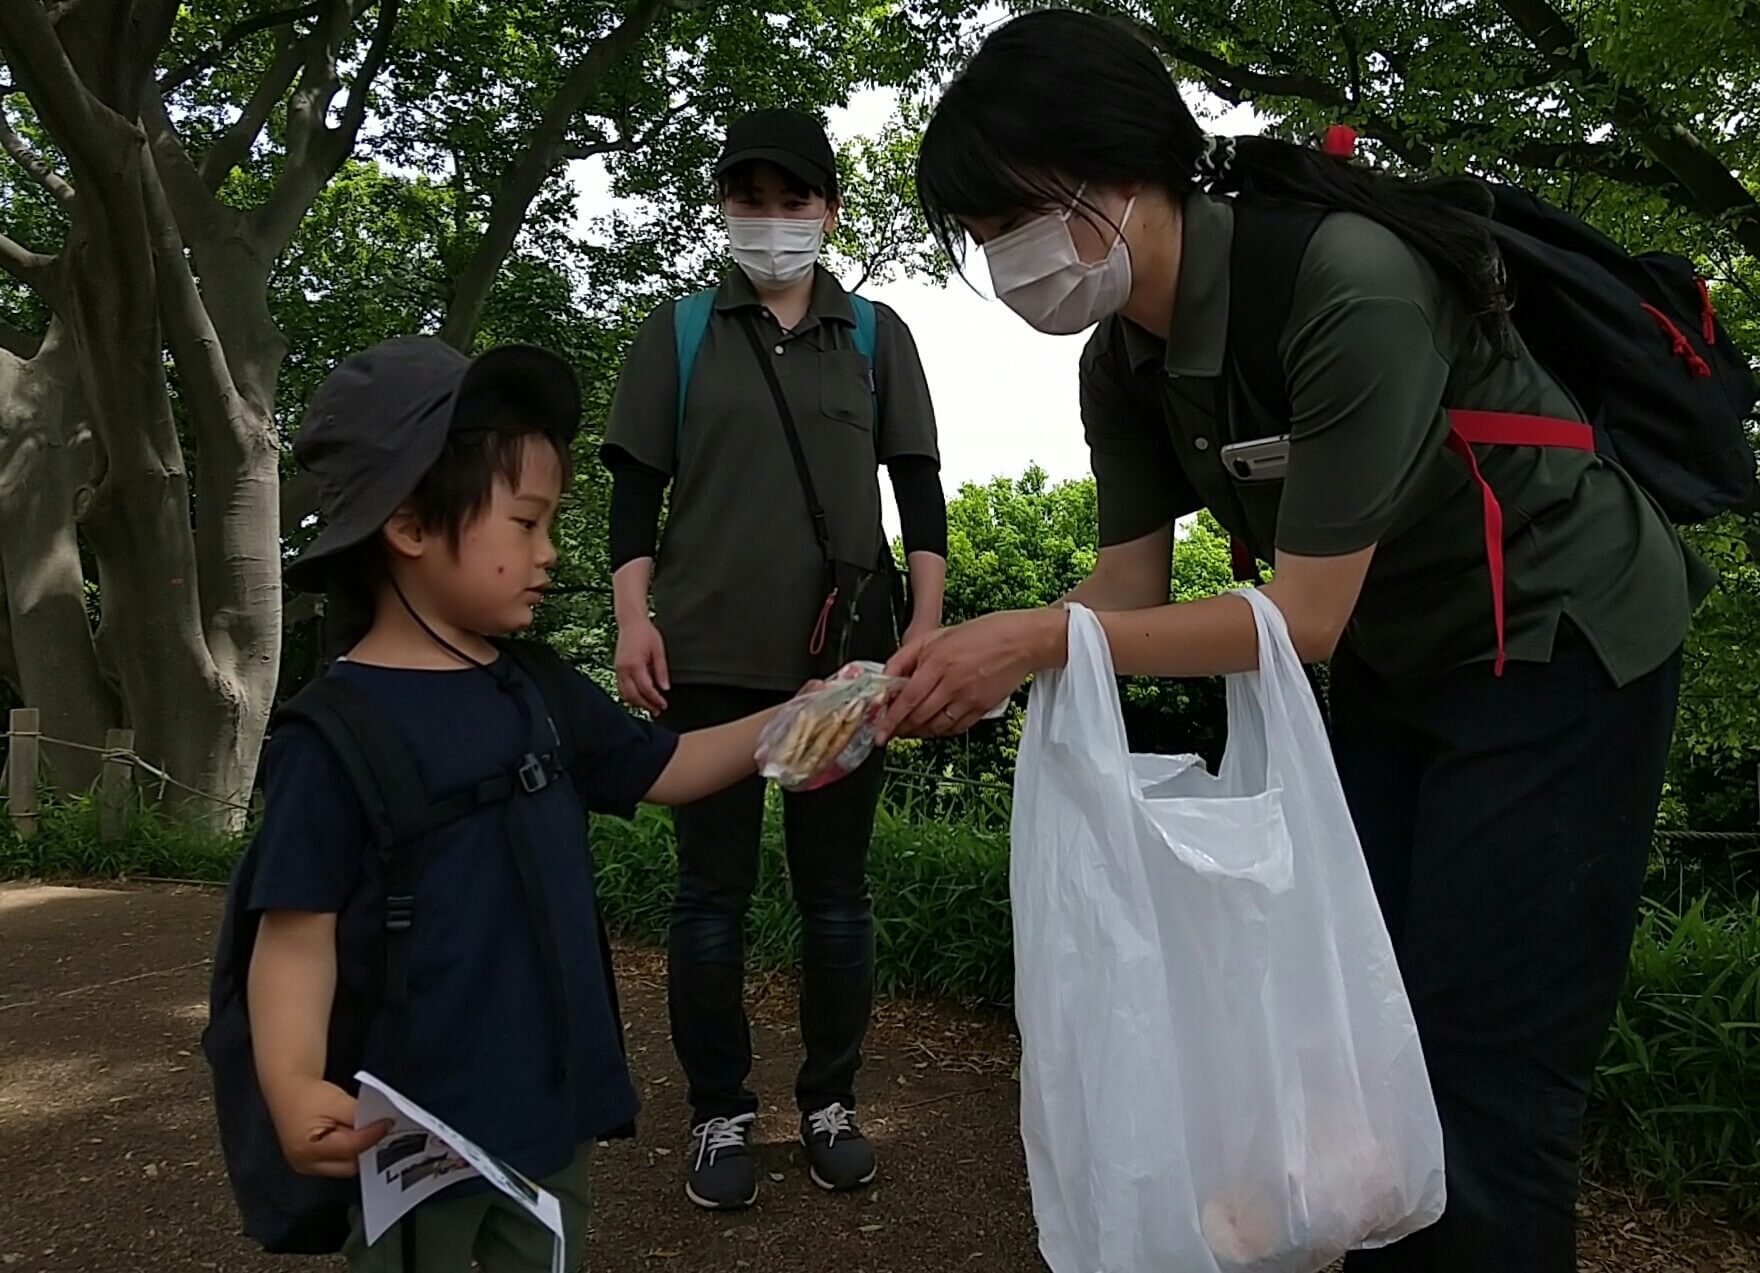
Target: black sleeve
pixel 621 757
pixel 637 492
pixel 922 508
pixel 314 831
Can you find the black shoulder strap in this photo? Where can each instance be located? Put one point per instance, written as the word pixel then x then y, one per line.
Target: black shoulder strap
pixel 550 672
pixel 546 670
pixel 373 755
pixel 378 762
pixel 1270 239
pixel 821 528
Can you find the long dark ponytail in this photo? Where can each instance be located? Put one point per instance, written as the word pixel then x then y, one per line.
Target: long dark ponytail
pixel 1057 98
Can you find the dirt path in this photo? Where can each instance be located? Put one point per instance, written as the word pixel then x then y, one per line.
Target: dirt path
pixel 107 1158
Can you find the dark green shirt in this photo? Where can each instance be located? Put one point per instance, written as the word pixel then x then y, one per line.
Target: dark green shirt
pixel 739 579
pixel 1375 352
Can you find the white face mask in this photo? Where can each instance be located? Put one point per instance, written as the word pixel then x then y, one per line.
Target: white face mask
pixel 775 252
pixel 1036 273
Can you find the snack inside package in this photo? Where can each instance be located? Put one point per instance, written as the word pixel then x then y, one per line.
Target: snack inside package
pixel 821 736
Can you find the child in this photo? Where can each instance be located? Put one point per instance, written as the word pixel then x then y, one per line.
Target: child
pixel 441 478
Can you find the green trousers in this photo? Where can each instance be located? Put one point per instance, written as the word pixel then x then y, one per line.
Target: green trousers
pixel 489 1231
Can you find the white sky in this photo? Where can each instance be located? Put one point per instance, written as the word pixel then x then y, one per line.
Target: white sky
pixel 1005 395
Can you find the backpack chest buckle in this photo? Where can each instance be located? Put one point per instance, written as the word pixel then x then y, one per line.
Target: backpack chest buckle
pixel 534 774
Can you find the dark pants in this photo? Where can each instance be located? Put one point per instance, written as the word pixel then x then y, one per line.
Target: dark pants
pixel 827 833
pixel 1507 824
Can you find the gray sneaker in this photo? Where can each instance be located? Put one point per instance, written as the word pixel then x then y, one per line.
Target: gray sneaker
pixel 723 1176
pixel 839 1157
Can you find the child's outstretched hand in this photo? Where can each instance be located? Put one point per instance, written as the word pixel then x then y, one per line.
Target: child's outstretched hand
pixel 316 1123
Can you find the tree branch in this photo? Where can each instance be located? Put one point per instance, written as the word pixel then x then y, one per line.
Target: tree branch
pixel 18 342
pixel 1601 159
pixel 315 150
pixel 81 124
pixel 56 12
pixel 1352 50
pixel 1238 84
pixel 532 166
pixel 1715 191
pixel 197 211
pixel 626 143
pixel 318 84
pixel 234 36
pixel 150 23
pixel 30 268
pixel 575 154
pixel 233 146
pixel 378 52
pixel 39 168
pixel 1243 81
pixel 201 358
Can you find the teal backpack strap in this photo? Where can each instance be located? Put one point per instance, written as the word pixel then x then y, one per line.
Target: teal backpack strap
pixel 866 325
pixel 690 320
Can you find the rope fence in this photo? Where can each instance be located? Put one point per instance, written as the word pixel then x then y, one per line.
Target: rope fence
pixel 117 785
pixel 121 763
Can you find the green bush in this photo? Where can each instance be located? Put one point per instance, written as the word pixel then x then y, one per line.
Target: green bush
pixel 940 895
pixel 1678 1094
pixel 67 846
pixel 1676 1105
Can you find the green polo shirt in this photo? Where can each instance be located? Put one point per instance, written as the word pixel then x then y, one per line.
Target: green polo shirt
pixel 1375 352
pixel 739 580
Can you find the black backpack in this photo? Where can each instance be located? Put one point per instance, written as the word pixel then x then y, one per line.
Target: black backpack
pixel 1634 339
pixel 291 1214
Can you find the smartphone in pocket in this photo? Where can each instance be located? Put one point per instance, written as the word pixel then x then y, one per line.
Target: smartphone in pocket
pixel 1260 460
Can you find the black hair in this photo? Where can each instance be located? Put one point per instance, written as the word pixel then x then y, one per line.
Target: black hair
pixel 1056 98
pixel 476 456
pixel 487 444
pixel 740 178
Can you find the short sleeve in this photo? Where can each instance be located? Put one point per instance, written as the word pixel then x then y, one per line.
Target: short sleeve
pixel 907 415
pixel 621 758
pixel 1138 480
pixel 643 423
pixel 314 832
pixel 1366 384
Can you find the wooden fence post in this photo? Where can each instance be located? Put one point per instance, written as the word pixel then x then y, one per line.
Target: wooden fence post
pixel 22 768
pixel 116 785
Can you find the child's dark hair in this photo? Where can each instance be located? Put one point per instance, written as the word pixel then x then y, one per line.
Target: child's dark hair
pixel 740 180
pixel 462 481
pixel 458 486
pixel 1057 96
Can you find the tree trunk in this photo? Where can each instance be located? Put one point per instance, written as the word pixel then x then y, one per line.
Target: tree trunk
pixel 189 571
pixel 187 713
pixel 45 456
pixel 237 517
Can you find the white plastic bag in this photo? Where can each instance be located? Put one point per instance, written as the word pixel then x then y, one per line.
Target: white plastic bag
pixel 1221 1070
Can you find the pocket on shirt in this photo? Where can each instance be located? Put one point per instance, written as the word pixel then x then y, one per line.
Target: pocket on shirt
pixel 844 394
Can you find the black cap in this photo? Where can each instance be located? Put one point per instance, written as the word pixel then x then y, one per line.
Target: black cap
pixel 379 421
pixel 792 140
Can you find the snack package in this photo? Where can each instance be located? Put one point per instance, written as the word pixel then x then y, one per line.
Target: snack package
pixel 819 737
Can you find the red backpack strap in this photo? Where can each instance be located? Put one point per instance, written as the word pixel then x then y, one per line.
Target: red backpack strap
pixel 1468 429
pixel 1246 566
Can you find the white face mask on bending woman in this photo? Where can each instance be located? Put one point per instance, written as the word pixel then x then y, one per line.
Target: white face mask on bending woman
pixel 1037 273
pixel 775 252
